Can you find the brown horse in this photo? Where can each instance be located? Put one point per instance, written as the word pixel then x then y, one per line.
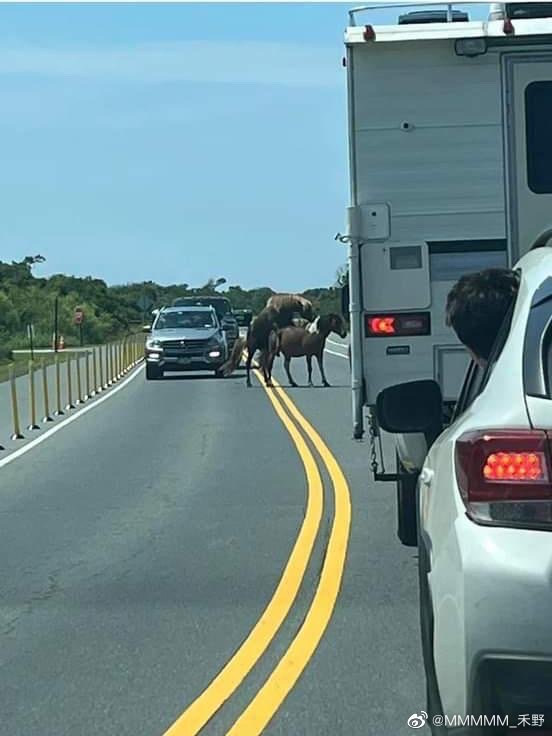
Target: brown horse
pixel 294 342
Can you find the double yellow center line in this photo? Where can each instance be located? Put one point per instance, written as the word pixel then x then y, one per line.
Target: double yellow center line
pixel 275 689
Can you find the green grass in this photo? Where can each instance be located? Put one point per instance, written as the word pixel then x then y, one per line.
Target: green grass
pixel 21 364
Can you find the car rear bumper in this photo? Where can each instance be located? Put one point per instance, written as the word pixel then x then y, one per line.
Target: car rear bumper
pixel 493 628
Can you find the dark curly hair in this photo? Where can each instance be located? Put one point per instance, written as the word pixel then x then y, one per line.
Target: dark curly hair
pixel 477 305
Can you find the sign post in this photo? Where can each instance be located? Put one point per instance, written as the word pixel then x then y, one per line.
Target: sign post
pixel 144 303
pixel 56 316
pixel 30 335
pixel 78 320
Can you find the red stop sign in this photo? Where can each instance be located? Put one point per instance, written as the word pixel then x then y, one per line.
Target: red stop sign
pixel 79 316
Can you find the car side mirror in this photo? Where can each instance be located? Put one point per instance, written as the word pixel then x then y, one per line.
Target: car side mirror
pixel 414 407
pixel 146 328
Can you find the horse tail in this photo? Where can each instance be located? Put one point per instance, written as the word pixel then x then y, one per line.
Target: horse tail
pixel 274 342
pixel 234 360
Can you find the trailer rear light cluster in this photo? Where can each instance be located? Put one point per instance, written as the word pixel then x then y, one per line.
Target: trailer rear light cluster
pixel 397 325
pixel 508 27
pixel 369 33
pixel 504 477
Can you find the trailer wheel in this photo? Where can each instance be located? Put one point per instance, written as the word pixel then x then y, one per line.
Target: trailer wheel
pixel 407 525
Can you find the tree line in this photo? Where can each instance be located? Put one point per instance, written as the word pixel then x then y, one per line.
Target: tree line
pixel 110 312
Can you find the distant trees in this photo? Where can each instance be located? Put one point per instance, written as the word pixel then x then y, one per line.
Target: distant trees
pixel 110 311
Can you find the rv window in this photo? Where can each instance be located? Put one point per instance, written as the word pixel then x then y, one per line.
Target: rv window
pixel 406 257
pixel 451 266
pixel 538 113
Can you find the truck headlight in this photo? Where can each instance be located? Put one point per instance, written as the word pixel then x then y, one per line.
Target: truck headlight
pixel 153 345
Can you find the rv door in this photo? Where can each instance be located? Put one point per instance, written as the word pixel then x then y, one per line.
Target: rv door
pixel 527 78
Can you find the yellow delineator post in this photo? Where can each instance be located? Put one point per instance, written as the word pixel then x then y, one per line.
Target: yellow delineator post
pixel 102 384
pixel 59 411
pixel 47 417
pixel 79 382
pixel 88 393
pixel 109 361
pixel 95 371
pixel 70 404
pixel 15 409
pixel 32 397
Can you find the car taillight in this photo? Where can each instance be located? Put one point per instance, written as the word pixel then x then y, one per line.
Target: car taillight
pixel 397 325
pixel 505 476
pixel 369 33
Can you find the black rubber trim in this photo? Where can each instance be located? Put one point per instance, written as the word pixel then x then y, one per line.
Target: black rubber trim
pixel 536 349
pixel 543 293
pixel 492 245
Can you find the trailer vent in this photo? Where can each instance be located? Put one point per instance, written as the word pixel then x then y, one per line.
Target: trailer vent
pixel 432 16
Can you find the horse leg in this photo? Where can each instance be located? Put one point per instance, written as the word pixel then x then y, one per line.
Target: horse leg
pixel 309 368
pixel 250 353
pixel 287 361
pixel 320 359
pixel 266 364
pixel 269 364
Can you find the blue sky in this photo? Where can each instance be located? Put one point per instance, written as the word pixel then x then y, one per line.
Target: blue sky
pixel 175 142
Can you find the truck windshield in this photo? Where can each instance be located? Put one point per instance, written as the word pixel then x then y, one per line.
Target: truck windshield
pixel 189 320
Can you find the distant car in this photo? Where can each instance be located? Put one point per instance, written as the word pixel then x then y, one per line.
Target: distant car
pixel 185 339
pixel 243 317
pixel 484 511
pixel 223 308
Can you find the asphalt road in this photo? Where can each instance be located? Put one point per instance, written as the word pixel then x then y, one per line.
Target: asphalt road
pixel 142 543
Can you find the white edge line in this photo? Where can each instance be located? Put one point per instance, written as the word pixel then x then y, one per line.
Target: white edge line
pixel 38 440
pixel 340 355
pixel 337 344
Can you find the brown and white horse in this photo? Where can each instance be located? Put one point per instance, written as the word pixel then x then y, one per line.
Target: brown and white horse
pixel 310 341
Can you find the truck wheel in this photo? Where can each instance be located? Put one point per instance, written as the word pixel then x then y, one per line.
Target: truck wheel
pixel 153 372
pixel 407 527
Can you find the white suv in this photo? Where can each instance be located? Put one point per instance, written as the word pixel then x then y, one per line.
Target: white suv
pixel 484 506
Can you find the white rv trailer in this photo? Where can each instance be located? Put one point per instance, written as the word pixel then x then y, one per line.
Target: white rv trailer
pixel 450 172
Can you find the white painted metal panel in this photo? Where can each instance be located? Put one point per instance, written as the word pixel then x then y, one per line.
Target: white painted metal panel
pixel 396 289
pixel 428 138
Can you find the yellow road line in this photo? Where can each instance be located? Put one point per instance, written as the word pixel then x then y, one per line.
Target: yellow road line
pixel 229 678
pixel 270 697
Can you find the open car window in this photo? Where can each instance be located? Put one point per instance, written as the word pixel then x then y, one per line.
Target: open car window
pixel 478 376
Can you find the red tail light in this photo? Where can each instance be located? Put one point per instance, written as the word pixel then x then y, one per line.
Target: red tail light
pixel 397 325
pixel 508 27
pixel 382 325
pixel 369 33
pixel 505 475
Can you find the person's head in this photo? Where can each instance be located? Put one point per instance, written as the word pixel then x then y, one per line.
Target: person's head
pixel 477 305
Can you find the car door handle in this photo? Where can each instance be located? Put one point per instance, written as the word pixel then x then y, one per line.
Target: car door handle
pixel 426 476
